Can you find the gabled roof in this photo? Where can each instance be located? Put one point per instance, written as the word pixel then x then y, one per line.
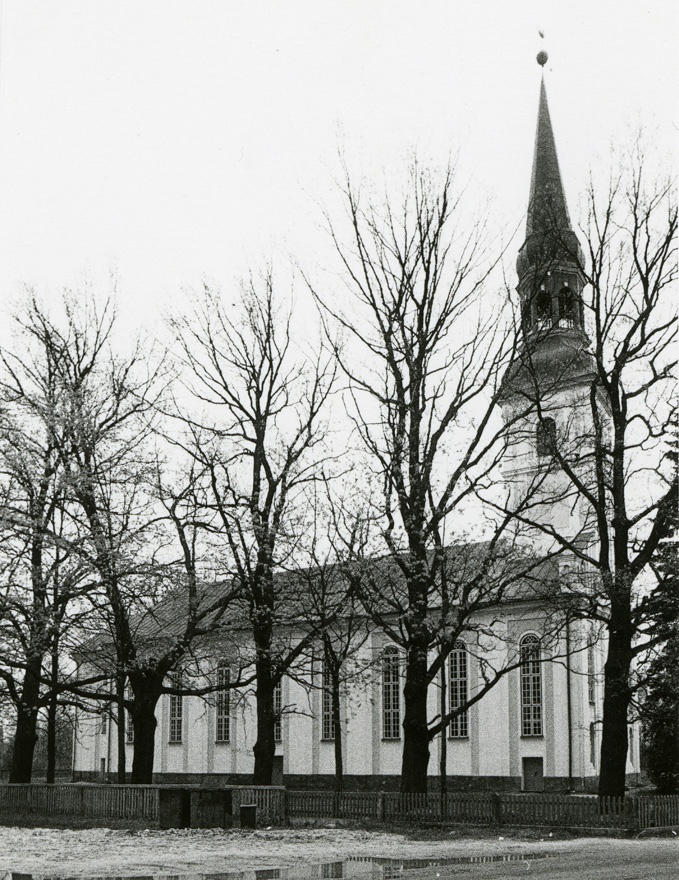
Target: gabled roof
pixel 511 576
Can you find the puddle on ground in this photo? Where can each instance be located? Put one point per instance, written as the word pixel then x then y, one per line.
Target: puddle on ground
pixel 353 868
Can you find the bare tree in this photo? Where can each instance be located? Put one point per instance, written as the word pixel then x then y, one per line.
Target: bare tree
pixel 604 461
pixel 427 344
pixel 336 536
pixel 41 579
pixel 136 533
pixel 259 447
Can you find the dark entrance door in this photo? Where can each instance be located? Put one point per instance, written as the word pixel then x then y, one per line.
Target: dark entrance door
pixel 277 774
pixel 533 775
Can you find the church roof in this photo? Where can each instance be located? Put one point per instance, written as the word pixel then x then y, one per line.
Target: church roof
pixel 502 574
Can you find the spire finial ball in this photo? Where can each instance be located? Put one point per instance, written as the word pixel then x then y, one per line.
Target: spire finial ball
pixel 542 57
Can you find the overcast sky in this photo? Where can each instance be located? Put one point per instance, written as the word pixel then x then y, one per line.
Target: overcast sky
pixel 163 142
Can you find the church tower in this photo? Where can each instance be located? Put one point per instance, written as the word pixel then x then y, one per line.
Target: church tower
pixel 546 391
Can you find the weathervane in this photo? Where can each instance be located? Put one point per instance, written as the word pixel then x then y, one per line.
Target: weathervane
pixel 542 56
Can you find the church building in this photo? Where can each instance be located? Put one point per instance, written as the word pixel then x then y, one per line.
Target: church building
pixel 539 727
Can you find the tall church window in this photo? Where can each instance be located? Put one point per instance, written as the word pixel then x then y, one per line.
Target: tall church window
pixel 459 725
pixel 327 721
pixel 531 687
pixel 592 744
pixel 391 694
pixel 546 437
pixel 176 710
pixel 129 726
pixel 277 712
pixel 223 707
pixel 106 709
pixel 591 679
pixel 630 749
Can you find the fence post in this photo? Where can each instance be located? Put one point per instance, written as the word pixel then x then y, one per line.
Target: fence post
pixel 497 808
pixel 380 806
pixel 632 814
pixel 286 809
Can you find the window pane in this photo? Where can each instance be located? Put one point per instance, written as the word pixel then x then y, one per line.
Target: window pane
pixel 277 710
pixel 176 710
pixel 459 726
pixel 129 727
pixel 531 687
pixel 391 695
pixel 223 732
pixel 327 724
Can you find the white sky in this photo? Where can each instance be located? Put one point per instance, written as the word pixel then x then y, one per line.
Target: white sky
pixel 168 141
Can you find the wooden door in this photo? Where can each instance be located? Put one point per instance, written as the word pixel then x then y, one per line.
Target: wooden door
pixel 533 775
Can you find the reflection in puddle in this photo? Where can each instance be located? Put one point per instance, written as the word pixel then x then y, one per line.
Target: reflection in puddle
pixel 353 868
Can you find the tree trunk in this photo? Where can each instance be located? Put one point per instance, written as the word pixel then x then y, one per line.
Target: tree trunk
pixel 121 732
pixel 52 718
pixel 25 740
pixel 265 747
pixel 144 725
pixel 443 766
pixel 337 731
pixel 616 705
pixel 26 737
pixel 415 734
pixel 51 739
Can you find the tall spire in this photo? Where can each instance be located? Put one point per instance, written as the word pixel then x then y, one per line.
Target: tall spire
pixel 549 235
pixel 550 261
pixel 547 203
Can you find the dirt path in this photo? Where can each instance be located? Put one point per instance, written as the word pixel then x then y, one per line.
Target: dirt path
pixel 102 852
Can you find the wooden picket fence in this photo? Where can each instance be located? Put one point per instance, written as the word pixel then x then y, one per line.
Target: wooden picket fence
pixel 278 806
pixel 468 808
pixel 105 801
pixel 660 811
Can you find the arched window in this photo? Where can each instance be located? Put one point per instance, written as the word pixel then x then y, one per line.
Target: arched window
pixel 327 722
pixel 459 725
pixel 391 694
pixel 531 687
pixel 278 712
pixel 223 707
pixel 544 308
pixel 545 437
pixel 176 710
pixel 568 308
